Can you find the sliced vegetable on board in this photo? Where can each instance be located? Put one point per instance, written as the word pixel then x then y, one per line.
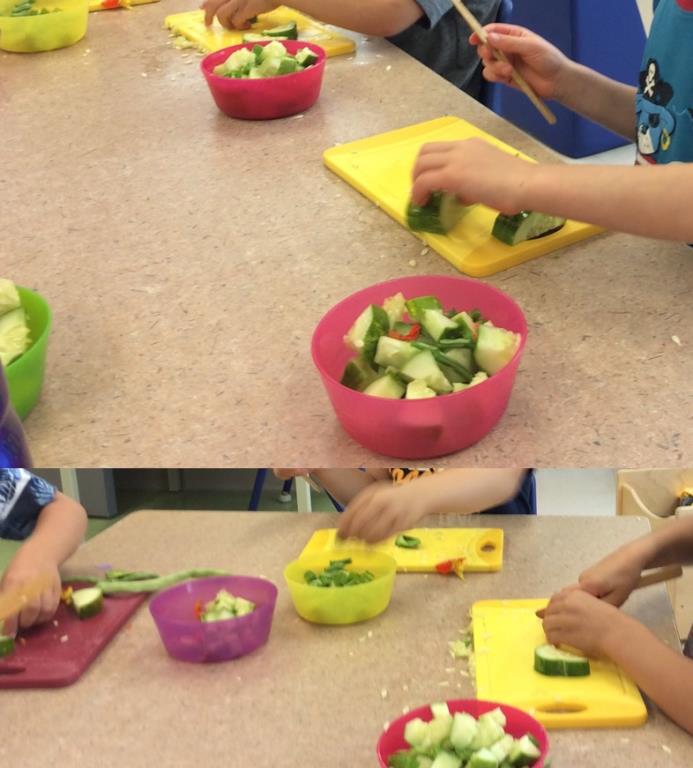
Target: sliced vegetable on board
pixel 526 225
pixel 555 662
pixel 6 645
pixel 87 602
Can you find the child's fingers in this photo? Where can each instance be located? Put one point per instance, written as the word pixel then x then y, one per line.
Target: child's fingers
pixel 9 626
pixel 506 29
pixel 29 614
pixel 210 8
pixel 429 162
pixel 426 183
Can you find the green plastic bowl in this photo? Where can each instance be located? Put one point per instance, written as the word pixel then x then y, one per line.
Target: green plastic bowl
pixel 25 374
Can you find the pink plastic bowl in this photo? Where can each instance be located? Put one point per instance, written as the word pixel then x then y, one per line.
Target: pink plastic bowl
pixel 418 429
pixel 188 639
pixel 519 723
pixel 266 98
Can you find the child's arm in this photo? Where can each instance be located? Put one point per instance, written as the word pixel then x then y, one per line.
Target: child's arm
pixel 614 577
pixel 58 532
pixel 652 201
pixel 554 76
pixel 382 509
pixel 342 484
pixel 380 18
pixel 597 628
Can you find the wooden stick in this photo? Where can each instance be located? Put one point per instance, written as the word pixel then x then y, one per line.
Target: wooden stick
pixel 648 578
pixel 522 84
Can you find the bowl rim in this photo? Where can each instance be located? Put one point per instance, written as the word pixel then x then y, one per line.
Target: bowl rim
pixel 44 333
pixel 418 712
pixel 427 401
pixel 264 606
pixel 217 79
pixel 387 560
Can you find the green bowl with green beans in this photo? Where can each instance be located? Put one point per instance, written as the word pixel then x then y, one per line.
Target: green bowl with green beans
pixel 344 587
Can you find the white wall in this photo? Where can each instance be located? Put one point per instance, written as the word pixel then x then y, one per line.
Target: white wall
pixel 576 491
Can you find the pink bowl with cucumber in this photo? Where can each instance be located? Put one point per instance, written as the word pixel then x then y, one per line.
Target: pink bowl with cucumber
pixel 464 733
pixel 267 96
pixel 431 404
pixel 230 629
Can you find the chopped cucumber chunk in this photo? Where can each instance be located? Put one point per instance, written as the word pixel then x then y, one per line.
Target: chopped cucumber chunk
pixel 9 296
pixel 495 348
pixel 424 367
pixel 394 352
pixel 484 758
pixel 526 225
pixel 364 334
pixel 306 58
pixel 225 606
pixel 464 728
pixel 549 660
pixel 87 602
pixel 386 386
pixel 419 390
pixel 14 335
pixel 437 325
pixel 287 31
pixel 447 760
pixel 6 645
pixel 524 752
pixel 440 215
pixel 417 307
pixel 358 374
pixel 416 732
pixel 395 306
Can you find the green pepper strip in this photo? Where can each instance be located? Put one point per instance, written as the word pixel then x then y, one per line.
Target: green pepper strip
pixel 407 542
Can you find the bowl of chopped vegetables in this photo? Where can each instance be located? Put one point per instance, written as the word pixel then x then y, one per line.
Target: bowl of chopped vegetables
pixel 345 588
pixel 265 80
pixel 464 733
pixel 214 619
pixel 25 324
pixel 28 26
pixel 420 367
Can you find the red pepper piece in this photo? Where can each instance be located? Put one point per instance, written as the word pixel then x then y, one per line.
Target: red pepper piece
pixel 199 610
pixel 411 335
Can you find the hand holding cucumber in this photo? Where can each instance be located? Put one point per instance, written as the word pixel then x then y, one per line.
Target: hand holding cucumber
pixel 23 572
pixel 236 14
pixel 382 510
pixel 539 62
pixel 474 171
pixel 574 617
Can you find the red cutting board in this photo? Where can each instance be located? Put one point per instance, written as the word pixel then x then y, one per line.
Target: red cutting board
pixel 44 661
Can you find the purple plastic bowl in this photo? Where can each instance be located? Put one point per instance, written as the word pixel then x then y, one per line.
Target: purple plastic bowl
pixel 188 639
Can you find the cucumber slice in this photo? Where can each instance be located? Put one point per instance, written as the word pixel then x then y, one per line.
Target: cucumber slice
pixel 423 366
pixel 495 348
pixel 464 728
pixel 14 335
pixel 484 758
pixel 386 386
pixel 501 749
pixel 87 602
pixel 524 752
pixel 306 58
pixel 526 225
pixel 6 645
pixel 549 660
pixel 438 326
pixel 364 334
pixel 287 31
pixel 488 733
pixel 440 215
pixel 446 760
pixel 358 374
pixel 439 730
pixel 463 357
pixel 394 352
pixel 395 306
pixel 403 759
pixel 416 307
pixel 419 390
pixel 470 328
pixel 288 66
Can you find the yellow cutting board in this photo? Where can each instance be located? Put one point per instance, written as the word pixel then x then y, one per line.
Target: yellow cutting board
pixel 506 632
pixel 380 168
pixel 481 548
pixel 191 25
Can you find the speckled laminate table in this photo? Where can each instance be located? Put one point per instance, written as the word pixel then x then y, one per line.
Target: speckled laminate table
pixel 188 258
pixel 312 696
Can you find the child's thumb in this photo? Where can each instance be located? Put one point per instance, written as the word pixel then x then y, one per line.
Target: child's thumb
pixel 520 45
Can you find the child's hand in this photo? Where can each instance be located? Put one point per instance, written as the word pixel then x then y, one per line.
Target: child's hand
pixel 473 170
pixel 235 14
pixel 576 618
pixel 382 510
pixel 541 64
pixel 613 578
pixel 25 570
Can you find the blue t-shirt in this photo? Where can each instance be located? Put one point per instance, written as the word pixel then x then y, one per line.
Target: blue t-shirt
pixel 664 102
pixel 440 40
pixel 22 497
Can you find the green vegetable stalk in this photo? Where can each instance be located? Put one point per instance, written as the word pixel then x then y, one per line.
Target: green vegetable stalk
pixel 122 585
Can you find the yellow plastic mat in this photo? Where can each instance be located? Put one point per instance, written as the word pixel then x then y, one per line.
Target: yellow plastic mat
pixel 380 168
pixel 506 632
pixel 481 548
pixel 191 26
